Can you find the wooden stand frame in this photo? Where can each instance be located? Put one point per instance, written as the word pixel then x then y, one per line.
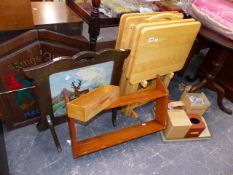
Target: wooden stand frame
pixel 90 145
pixel 41 73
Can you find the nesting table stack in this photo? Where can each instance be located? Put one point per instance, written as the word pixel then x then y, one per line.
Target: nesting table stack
pixel 160 43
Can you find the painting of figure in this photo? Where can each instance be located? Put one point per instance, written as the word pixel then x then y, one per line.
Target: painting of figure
pixel 77 82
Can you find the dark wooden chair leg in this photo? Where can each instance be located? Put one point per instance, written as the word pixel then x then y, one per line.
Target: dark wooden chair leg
pixel 42 125
pixel 221 94
pixel 53 132
pixel 94 31
pixel 94 25
pixel 198 86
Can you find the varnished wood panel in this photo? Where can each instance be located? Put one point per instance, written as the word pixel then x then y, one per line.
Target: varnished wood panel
pixel 160 50
pixel 225 77
pixel 53 13
pixel 15 15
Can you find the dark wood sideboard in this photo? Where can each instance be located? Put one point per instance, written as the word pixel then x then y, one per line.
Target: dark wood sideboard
pixel 216 70
pixel 89 12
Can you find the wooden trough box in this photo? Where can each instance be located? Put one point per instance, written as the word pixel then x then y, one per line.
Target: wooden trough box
pixel 87 106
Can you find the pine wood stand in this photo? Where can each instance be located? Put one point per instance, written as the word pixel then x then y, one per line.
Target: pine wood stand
pixel 90 145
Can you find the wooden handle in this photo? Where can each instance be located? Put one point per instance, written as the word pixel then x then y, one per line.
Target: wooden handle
pixel 165 16
pixel 85 55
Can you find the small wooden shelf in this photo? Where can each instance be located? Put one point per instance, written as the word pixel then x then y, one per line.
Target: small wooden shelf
pixel 90 145
pixel 116 137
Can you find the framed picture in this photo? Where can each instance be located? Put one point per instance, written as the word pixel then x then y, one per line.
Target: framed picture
pixel 78 82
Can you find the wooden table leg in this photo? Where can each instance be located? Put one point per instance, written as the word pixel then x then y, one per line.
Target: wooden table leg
pixel 208 71
pixel 198 85
pixel 94 31
pixel 94 25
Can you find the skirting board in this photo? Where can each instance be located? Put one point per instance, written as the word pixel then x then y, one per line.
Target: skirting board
pixel 205 135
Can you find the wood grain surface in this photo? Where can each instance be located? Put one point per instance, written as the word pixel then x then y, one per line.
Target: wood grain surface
pixel 88 105
pixel 53 13
pixel 15 15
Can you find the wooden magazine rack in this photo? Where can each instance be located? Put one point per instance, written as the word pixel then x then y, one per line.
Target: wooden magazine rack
pixel 159 94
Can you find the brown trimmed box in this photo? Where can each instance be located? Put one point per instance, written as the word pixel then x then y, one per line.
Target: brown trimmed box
pixel 192 107
pixel 197 127
pixel 178 124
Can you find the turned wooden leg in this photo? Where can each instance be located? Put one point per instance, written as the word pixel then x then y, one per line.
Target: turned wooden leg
pixel 221 94
pixel 94 30
pixel 198 86
pixel 95 8
pixel 208 71
pixel 94 27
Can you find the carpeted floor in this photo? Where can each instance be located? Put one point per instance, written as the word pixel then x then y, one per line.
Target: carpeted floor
pixel 32 153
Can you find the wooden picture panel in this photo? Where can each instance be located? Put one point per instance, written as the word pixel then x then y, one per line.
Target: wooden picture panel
pixel 41 74
pixel 20 107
